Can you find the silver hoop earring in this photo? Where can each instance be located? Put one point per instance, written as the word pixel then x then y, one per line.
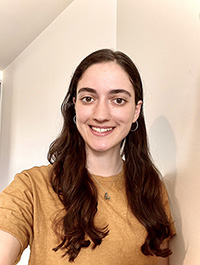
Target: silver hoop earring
pixel 136 126
pixel 74 119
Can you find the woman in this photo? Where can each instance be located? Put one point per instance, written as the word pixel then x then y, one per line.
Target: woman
pixel 101 200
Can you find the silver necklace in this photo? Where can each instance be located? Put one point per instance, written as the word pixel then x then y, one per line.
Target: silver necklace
pixel 106 195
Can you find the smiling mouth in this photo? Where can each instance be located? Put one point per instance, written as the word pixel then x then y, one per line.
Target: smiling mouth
pixel 101 130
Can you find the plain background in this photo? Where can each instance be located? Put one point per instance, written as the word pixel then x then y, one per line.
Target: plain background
pixel 162 37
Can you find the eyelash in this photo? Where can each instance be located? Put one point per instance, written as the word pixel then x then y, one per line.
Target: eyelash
pixel 121 99
pixel 85 100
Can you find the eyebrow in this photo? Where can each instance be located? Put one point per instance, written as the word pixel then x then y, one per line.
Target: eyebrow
pixel 117 91
pixel 87 89
pixel 112 92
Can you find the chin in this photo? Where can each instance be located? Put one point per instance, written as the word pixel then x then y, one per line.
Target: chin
pixel 103 148
pixel 100 149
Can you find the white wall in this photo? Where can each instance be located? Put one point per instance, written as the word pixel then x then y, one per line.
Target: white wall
pixel 37 81
pixel 163 39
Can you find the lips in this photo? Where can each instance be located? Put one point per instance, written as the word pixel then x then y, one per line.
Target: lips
pixel 101 130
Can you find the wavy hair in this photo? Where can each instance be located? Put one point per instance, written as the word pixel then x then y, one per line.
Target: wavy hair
pixel 75 188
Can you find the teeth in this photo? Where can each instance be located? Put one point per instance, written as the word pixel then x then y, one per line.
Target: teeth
pixel 101 130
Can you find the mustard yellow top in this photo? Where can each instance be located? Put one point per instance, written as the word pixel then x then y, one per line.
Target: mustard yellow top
pixel 28 207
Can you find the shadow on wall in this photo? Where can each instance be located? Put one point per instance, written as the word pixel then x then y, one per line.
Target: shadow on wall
pixel 165 148
pixel 6 129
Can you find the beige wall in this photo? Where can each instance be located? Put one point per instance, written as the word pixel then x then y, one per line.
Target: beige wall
pixel 163 39
pixel 36 82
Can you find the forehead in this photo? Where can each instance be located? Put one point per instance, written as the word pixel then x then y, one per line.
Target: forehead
pixel 108 75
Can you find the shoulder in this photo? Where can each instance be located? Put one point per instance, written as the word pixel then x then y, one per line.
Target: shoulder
pixel 30 179
pixel 35 174
pixel 36 171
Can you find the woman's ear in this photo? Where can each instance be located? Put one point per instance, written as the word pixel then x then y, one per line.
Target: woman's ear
pixel 137 110
pixel 74 100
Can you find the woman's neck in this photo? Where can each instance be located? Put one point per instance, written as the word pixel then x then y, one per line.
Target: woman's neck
pixel 104 164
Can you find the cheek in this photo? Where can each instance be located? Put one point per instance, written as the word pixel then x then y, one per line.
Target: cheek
pixel 125 116
pixel 82 114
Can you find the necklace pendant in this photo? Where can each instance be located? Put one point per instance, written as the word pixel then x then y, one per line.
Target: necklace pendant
pixel 106 196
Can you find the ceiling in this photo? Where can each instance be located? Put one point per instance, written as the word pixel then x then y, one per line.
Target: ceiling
pixel 21 21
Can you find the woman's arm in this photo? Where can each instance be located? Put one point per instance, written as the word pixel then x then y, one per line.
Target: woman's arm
pixel 9 248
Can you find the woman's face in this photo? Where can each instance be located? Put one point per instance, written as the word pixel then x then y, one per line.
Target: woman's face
pixel 105 107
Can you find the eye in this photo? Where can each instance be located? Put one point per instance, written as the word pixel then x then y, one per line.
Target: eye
pixel 87 99
pixel 119 101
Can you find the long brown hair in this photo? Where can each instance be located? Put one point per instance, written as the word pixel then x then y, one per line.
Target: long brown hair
pixel 75 188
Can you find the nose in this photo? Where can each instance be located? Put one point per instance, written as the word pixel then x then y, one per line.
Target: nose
pixel 101 112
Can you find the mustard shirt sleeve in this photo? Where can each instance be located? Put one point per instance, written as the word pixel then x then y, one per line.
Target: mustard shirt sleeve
pixel 16 210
